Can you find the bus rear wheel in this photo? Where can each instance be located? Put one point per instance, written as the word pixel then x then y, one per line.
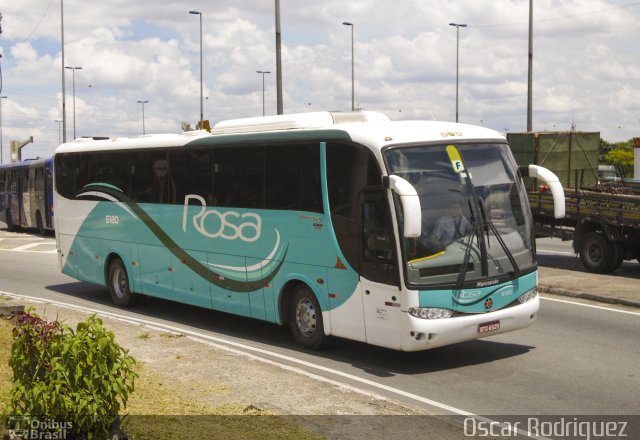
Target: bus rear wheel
pixel 118 281
pixel 305 319
pixel 10 226
pixel 40 224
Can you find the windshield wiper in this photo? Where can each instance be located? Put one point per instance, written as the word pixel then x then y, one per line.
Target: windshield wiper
pixel 489 224
pixel 467 250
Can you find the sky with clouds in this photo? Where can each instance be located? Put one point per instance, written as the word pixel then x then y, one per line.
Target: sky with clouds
pixel 586 63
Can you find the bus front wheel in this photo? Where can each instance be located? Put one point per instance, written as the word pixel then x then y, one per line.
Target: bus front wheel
pixel 305 319
pixel 118 282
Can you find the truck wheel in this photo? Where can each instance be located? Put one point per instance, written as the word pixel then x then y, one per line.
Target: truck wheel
pixel 618 250
pixel 597 253
pixel 118 282
pixel 305 319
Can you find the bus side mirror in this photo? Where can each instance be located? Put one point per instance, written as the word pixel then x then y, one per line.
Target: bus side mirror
pixel 410 205
pixel 552 181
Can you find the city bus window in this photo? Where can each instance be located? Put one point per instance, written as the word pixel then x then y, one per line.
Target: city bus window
pixel 152 178
pixel 114 169
pixel 192 172
pixel 376 232
pixel 378 256
pixel 292 174
pixel 86 170
pixel 39 183
pixel 350 169
pixel 73 172
pixel 238 176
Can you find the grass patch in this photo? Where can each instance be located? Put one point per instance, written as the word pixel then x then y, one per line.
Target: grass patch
pixel 6 375
pixel 167 335
pixel 158 410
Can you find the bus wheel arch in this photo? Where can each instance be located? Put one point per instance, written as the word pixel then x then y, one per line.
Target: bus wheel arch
pixel 118 282
pixel 301 311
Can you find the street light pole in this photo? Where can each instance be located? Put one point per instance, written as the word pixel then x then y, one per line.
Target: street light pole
pixel 143 103
pixel 457 26
pixel 59 121
pixel 263 72
pixel 201 95
pixel 530 71
pixel 64 93
pixel 353 87
pixel 73 72
pixel 1 98
pixel 279 104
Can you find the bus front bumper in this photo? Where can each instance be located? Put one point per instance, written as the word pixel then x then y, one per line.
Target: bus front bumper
pixel 424 334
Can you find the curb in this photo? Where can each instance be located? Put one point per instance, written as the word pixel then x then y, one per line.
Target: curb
pixel 590 296
pixel 8 309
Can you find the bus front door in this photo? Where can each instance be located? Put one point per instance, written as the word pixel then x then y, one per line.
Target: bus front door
pixel 379 271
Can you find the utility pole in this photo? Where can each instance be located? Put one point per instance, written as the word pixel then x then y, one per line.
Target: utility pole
pixel 530 73
pixel 64 99
pixel 278 60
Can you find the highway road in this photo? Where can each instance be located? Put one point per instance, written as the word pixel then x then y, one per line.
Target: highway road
pixel 578 359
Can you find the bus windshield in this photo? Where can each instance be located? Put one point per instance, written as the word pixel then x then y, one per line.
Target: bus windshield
pixel 475 221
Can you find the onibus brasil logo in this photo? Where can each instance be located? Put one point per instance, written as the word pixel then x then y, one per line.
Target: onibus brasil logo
pixel 232 225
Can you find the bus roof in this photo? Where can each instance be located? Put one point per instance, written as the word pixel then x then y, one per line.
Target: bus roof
pixel 373 129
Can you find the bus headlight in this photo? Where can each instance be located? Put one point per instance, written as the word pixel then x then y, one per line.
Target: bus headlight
pixel 430 313
pixel 528 296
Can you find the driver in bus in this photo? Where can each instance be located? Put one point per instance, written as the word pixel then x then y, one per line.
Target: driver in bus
pixel 448 228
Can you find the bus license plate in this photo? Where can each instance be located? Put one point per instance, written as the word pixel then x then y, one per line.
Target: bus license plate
pixel 489 327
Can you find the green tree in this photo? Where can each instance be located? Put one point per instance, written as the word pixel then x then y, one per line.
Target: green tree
pixel 621 155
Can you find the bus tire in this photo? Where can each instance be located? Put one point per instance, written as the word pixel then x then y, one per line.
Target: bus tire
pixel 40 224
pixel 10 226
pixel 618 252
pixel 597 253
pixel 118 282
pixel 305 318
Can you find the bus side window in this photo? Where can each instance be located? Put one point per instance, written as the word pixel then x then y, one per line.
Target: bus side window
pixel 238 177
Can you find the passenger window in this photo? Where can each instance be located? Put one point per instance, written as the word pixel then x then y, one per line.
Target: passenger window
pixel 238 176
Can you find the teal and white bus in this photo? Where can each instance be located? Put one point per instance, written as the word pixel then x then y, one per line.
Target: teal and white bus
pixel 325 222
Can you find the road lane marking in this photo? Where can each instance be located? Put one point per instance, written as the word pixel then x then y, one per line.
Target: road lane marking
pixel 237 348
pixel 542 251
pixel 29 247
pixel 26 237
pixel 25 247
pixel 627 312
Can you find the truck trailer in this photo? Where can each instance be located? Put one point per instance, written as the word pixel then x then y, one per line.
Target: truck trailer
pixel 602 216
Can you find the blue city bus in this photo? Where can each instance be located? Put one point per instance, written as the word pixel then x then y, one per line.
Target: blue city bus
pixel 325 222
pixel 26 195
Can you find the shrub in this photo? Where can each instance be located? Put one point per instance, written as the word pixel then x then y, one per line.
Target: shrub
pixel 78 380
